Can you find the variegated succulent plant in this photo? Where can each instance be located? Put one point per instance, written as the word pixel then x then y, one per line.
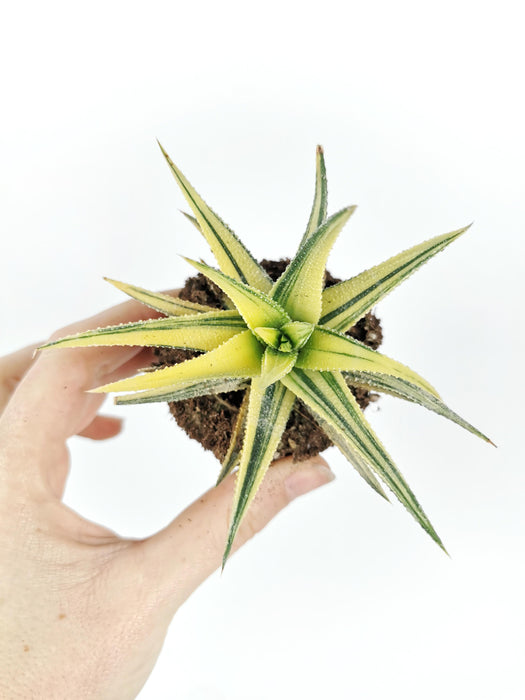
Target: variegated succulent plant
pixel 283 341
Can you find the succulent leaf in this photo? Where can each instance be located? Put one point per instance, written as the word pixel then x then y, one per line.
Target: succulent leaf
pixel 165 303
pixel 183 391
pixel 327 350
pixel 355 458
pixel 268 411
pixel 327 395
pixel 404 389
pixel 238 357
pixel 255 307
pixel 192 220
pixel 276 365
pixel 233 455
pixel 269 336
pixel 299 288
pixel 298 332
pixel 318 213
pixel 197 332
pixel 233 257
pixel 345 303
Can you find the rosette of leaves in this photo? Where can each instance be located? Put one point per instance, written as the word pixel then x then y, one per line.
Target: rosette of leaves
pixel 283 341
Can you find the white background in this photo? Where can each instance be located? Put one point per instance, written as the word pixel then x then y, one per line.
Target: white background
pixel 419 107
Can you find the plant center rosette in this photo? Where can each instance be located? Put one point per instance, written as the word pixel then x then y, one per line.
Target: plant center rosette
pixel 282 342
pixel 213 420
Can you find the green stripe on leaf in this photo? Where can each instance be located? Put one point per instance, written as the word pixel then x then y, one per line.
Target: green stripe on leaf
pixel 238 357
pixel 233 257
pixel 403 389
pixel 199 332
pixel 299 288
pixel 233 455
pixel 256 308
pixel 345 303
pixel 166 304
pixel 328 396
pixel 353 456
pixel 328 350
pixel 318 213
pixel 275 365
pixel 182 391
pixel 268 413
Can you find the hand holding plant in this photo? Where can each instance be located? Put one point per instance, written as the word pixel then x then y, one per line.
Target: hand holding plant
pixel 85 612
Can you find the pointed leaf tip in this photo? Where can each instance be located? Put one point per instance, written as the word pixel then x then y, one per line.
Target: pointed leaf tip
pixel 268 412
pixel 232 255
pixel 346 302
pixel 298 290
pixel 191 219
pixel 275 365
pixel 224 560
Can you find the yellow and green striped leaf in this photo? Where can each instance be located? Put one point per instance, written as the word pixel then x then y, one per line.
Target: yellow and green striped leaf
pixel 328 396
pixel 257 309
pixel 276 365
pixel 403 389
pixel 238 357
pixel 352 455
pixel 165 303
pixel 203 331
pixel 182 392
pixel 298 332
pixel 268 413
pixel 345 303
pixel 318 213
pixel 328 350
pixel 233 456
pixel 269 336
pixel 233 257
pixel 298 289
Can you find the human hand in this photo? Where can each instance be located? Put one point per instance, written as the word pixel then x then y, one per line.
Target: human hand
pixel 84 612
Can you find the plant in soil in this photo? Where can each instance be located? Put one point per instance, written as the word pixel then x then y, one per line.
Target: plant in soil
pixel 279 345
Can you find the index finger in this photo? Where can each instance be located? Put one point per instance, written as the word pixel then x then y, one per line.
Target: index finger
pixel 50 404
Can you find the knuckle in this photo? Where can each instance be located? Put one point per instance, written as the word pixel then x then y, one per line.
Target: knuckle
pixel 62 332
pixel 8 384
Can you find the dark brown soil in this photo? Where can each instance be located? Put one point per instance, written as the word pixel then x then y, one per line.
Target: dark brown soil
pixel 210 419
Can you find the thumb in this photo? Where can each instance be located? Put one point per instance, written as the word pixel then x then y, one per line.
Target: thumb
pixel 185 553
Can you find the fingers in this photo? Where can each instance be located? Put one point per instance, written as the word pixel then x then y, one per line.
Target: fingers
pixel 183 555
pixel 102 428
pixel 57 380
pixel 140 362
pixel 50 403
pixel 12 369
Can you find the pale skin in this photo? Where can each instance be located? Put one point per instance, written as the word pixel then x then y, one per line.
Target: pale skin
pixel 83 611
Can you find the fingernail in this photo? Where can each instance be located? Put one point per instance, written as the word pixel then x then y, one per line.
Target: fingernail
pixel 308 478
